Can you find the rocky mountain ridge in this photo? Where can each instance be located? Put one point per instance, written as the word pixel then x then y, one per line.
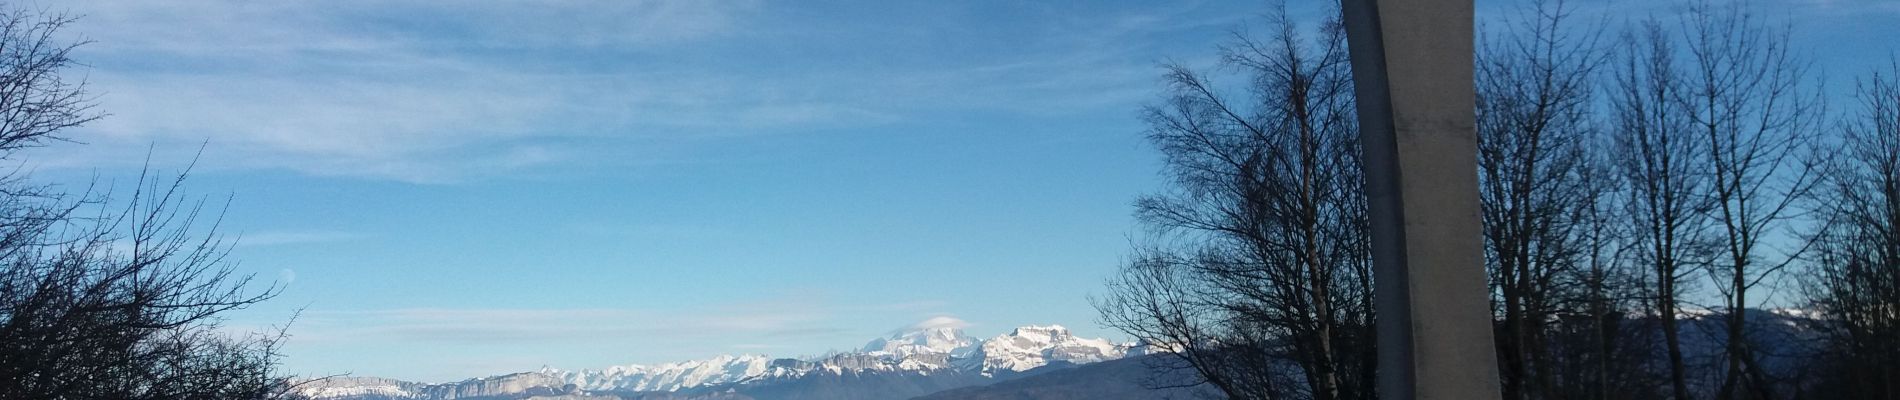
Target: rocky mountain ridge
pixel 927 357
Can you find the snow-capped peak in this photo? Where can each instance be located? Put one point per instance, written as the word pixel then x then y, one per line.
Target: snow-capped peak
pixel 1043 334
pixel 1029 347
pixel 937 345
pixel 670 376
pixel 936 335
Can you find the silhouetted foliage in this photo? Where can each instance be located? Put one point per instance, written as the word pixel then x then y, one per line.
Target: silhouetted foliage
pixel 1855 282
pixel 104 296
pixel 1745 95
pixel 1535 82
pixel 1259 273
pixel 1617 171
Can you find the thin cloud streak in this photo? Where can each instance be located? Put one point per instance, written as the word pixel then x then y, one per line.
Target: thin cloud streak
pixel 432 325
pixel 793 317
pixel 447 92
pixel 788 322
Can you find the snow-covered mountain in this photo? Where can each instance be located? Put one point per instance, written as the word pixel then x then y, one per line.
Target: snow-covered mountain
pixel 932 355
pixel 355 387
pixel 936 359
pixel 668 377
pixel 518 385
pixel 1030 347
pixel 940 335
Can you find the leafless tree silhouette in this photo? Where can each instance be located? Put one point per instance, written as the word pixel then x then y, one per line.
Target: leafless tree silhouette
pixel 1855 281
pixel 1535 80
pixel 1260 274
pixel 106 296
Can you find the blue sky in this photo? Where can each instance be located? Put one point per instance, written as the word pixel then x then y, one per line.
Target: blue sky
pixel 456 189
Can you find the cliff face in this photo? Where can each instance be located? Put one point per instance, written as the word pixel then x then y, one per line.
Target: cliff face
pixel 512 386
pixel 345 387
pixel 521 384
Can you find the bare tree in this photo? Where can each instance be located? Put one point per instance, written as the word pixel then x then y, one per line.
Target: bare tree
pixel 1612 178
pixel 1535 82
pixel 1262 267
pixel 1748 99
pixel 105 297
pixel 1856 260
pixel 1602 353
pixel 1657 158
pixel 1158 298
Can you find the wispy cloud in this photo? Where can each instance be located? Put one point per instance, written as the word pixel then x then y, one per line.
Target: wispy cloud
pixel 443 91
pixel 449 91
pixel 436 325
pixel 466 325
pixel 423 92
pixel 378 23
pixel 1842 7
pixel 789 323
pixel 941 322
pixel 331 341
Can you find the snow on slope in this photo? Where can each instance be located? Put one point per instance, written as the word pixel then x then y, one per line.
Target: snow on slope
pixel 668 377
pixel 940 335
pixel 1035 346
pixel 352 387
pixel 937 344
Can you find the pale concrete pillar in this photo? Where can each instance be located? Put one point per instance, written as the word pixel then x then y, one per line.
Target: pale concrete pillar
pixel 1412 64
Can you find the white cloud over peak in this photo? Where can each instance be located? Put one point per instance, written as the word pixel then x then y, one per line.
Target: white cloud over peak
pixel 941 322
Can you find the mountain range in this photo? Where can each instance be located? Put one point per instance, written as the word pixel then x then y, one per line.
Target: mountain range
pixel 935 360
pixel 929 357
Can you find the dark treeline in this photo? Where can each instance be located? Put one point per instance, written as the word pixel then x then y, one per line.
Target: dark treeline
pixel 1670 211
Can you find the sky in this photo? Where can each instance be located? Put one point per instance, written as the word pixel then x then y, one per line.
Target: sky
pixel 450 189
